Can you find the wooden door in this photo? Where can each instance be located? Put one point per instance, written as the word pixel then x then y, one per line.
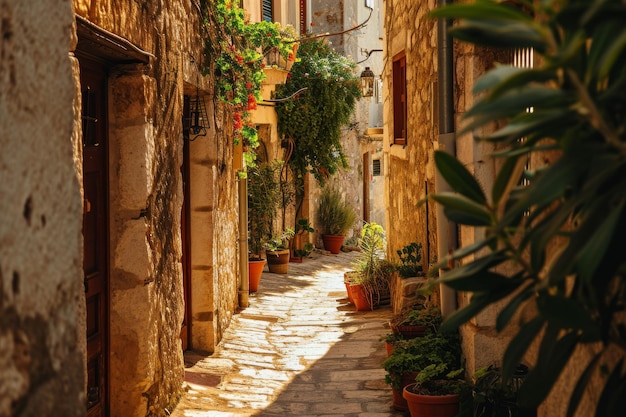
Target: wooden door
pixel 95 233
pixel 185 223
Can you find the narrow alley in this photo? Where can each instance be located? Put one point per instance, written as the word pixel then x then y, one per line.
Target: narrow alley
pixel 299 349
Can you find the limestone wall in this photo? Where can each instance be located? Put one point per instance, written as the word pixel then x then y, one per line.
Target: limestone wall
pixel 409 171
pixel 146 298
pixel 42 303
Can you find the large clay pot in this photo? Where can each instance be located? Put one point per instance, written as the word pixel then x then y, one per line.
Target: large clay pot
pixel 359 297
pixel 332 243
pixel 278 261
pixel 431 405
pixel 255 270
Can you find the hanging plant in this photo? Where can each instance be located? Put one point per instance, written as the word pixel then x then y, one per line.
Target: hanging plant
pixel 314 120
pixel 235 49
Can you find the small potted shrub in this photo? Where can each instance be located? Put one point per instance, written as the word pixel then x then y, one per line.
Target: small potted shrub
pixel 277 252
pixel 334 217
pixel 438 390
pixel 414 322
pixel 300 246
pixel 409 358
pixel 410 260
pixel 492 397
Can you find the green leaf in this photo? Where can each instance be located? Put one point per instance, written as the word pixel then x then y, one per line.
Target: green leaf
pixel 458 177
pixel 518 346
pixel 566 313
pixel 507 313
pixel 482 281
pixel 581 385
pixel 500 34
pixel 478 302
pixel 463 210
pixel 553 356
pixel 504 179
pixel 479 10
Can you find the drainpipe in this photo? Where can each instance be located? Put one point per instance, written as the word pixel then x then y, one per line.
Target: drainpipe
pixel 242 188
pixel 446 229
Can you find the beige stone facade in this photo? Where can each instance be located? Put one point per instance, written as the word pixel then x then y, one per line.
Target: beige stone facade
pixel 169 207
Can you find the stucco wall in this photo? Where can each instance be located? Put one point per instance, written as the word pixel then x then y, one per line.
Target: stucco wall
pixel 42 347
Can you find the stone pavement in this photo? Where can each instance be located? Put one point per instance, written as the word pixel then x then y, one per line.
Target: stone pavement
pixel 299 349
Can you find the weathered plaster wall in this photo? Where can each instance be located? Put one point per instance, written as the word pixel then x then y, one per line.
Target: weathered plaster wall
pixel 409 170
pixel 42 347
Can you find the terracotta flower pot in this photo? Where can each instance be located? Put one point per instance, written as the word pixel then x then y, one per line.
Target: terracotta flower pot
pixel 332 243
pixel 431 405
pixel 255 270
pixel 360 298
pixel 399 403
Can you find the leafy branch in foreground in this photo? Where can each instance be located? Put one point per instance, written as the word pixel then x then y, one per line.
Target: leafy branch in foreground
pixel 562 230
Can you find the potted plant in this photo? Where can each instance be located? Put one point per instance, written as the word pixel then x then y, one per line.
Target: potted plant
pixel 334 217
pixel 415 321
pixel 370 282
pixel 410 260
pixel 392 340
pixel 277 252
pixel 409 358
pixel 492 397
pixel 437 391
pixel 263 201
pixel 301 248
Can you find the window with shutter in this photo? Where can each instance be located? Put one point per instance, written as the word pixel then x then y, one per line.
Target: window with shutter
pixel 399 99
pixel 268 10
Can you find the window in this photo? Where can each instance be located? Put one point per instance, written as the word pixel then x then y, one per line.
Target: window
pixel 399 99
pixel 268 10
pixel 376 167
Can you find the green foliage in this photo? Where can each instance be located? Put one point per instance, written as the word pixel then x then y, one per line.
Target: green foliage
pixel 334 215
pixel 314 120
pixel 264 199
pixel 235 50
pixel 421 352
pixel 410 260
pixel 372 270
pixel 427 316
pixel 280 242
pixel 575 295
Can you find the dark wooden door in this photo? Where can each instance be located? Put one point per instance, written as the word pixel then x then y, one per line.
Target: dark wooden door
pixel 95 233
pixel 185 223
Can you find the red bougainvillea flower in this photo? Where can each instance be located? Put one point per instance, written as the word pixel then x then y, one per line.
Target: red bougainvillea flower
pixel 248 85
pixel 239 59
pixel 251 102
pixel 238 125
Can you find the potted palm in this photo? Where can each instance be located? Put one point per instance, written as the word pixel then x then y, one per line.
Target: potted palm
pixel 335 217
pixel 370 281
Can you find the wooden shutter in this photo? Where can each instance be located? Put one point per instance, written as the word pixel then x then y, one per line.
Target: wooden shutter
pixel 399 99
pixel 268 10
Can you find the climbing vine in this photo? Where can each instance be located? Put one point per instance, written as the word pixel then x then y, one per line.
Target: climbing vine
pixel 235 52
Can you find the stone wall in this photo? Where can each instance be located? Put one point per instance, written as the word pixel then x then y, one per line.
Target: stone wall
pixel 42 303
pixel 146 135
pixel 409 170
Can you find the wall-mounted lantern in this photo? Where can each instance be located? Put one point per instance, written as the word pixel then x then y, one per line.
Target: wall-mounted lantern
pixel 198 118
pixel 367 82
